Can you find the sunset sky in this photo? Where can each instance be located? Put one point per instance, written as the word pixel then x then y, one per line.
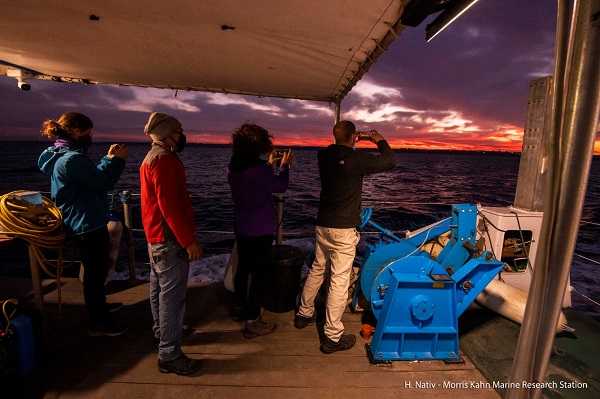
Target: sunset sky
pixel 466 89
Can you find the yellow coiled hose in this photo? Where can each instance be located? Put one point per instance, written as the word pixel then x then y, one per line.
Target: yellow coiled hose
pixel 41 227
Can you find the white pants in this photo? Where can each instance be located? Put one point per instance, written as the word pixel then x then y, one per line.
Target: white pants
pixel 334 252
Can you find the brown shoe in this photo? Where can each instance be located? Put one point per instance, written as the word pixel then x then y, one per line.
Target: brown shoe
pixel 257 327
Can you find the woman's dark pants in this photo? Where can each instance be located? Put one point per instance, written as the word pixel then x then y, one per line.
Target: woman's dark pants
pixel 93 250
pixel 254 259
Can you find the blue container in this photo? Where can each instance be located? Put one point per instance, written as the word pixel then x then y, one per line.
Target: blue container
pixel 24 345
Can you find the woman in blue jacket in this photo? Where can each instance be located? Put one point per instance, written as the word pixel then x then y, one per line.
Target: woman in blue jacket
pixel 78 187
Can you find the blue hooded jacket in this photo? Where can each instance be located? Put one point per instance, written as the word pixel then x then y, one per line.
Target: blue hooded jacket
pixel 79 188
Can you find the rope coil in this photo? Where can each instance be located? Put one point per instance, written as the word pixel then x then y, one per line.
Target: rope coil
pixel 8 317
pixel 41 226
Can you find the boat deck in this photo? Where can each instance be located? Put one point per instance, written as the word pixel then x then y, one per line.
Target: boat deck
pixel 286 364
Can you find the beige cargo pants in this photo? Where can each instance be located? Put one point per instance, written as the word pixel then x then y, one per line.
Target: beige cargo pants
pixel 334 252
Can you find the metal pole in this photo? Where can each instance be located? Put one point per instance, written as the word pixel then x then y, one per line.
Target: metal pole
pixel 565 197
pixel 338 107
pixel 126 199
pixel 279 202
pixel 38 293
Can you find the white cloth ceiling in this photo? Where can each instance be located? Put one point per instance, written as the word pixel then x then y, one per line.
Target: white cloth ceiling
pixel 308 49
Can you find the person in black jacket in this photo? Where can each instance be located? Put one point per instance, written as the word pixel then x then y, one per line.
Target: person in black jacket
pixel 341 168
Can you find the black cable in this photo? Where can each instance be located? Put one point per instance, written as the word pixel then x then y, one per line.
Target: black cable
pixel 523 240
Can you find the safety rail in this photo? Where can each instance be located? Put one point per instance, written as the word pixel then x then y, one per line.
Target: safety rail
pixel 126 200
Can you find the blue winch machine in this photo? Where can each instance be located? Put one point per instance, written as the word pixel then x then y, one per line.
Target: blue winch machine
pixel 417 299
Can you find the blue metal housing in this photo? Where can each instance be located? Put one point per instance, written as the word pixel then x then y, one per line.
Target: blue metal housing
pixel 417 300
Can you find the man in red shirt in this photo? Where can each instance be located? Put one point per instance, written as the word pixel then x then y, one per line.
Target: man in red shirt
pixel 169 225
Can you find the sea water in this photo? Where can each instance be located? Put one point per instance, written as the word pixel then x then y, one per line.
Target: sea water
pixel 417 192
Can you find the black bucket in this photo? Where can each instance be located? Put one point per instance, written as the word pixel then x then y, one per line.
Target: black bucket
pixel 283 283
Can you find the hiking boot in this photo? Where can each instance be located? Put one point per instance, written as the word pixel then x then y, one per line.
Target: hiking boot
pixel 182 365
pixel 114 307
pixel 238 313
pixel 301 321
pixel 257 327
pixel 107 330
pixel 347 341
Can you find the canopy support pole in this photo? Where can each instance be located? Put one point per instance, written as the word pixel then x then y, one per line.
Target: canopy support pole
pixel 569 166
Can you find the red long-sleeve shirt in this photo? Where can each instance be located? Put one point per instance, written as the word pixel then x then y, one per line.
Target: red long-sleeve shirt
pixel 166 206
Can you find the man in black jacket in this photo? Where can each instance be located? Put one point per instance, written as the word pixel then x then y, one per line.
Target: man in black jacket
pixel 341 168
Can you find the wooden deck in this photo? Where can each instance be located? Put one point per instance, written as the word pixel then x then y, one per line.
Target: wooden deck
pixel 286 364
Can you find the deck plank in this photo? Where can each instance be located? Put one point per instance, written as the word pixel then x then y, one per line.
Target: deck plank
pixel 286 364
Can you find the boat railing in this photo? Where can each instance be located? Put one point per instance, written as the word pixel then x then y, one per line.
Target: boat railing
pixel 127 197
pixel 130 230
pixel 296 233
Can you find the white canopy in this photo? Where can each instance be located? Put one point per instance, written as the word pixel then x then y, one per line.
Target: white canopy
pixel 307 49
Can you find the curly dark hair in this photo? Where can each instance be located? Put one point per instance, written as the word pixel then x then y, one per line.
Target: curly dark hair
pixel 251 139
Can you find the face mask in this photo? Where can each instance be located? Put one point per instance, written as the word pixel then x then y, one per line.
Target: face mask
pixel 181 142
pixel 85 141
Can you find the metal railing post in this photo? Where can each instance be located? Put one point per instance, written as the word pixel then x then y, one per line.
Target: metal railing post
pixel 279 202
pixel 126 199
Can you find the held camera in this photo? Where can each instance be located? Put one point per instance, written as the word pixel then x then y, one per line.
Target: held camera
pixel 363 135
pixel 278 156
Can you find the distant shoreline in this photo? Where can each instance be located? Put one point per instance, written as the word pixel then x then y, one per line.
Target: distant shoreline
pixel 396 150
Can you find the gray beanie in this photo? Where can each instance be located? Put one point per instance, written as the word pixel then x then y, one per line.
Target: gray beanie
pixel 160 126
